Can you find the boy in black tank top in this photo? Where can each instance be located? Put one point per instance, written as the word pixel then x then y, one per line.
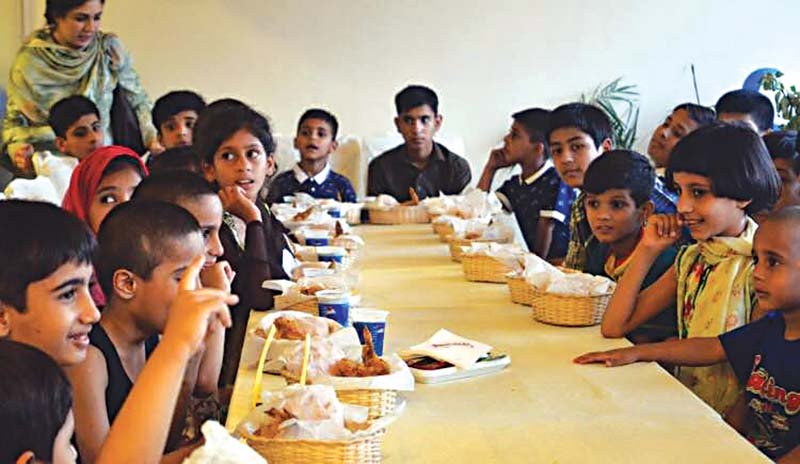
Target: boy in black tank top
pixel 144 249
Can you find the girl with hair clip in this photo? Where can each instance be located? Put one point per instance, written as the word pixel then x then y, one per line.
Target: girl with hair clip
pixel 101 181
pixel 722 174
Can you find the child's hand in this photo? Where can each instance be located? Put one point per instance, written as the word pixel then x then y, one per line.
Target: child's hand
pixel 22 157
pixel 218 276
pixel 235 202
pixel 196 311
pixel 498 159
pixel 661 232
pixel 611 358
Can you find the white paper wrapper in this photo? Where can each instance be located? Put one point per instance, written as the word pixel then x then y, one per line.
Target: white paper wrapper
pixel 547 278
pixel 441 205
pixel 478 204
pixel 221 448
pixel 345 339
pixel 449 347
pixel 319 414
pixel 511 255
pixel 324 354
pixel 399 378
pixel 382 202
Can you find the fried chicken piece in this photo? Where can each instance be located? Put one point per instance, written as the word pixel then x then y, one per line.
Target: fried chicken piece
pixel 271 429
pixel 288 329
pixel 414 201
pixel 472 235
pixel 312 290
pixel 372 365
pixel 356 426
pixel 303 215
pixel 338 230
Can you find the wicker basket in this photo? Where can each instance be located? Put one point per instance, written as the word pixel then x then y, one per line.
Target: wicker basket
pixel 307 306
pixel 353 216
pixel 574 311
pixel 399 215
pixel 455 244
pixel 380 402
pixel 443 229
pixel 362 450
pixel 482 268
pixel 521 291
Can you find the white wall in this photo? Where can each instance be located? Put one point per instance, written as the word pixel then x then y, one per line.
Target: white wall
pixel 485 60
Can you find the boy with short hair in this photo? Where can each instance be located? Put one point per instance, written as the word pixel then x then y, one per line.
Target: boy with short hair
pixel 747 106
pixel 144 249
pixel 579 133
pixel 419 163
pixel 618 186
pixel 174 116
pixel 75 121
pixel 538 197
pixel 176 159
pixel 44 285
pixel 784 149
pixel 683 120
pixel 316 141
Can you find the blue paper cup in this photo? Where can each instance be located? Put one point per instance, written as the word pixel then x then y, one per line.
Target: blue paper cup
pixel 334 304
pixel 331 254
pixel 373 320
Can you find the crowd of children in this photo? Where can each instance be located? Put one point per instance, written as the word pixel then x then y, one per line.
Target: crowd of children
pixel 162 243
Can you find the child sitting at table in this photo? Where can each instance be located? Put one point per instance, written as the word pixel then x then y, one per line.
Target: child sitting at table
pixel 194 194
pixel 684 119
pixel 578 133
pixel 763 353
pixel 75 121
pixel 618 187
pixel 722 173
pixel 144 249
pixel 45 304
pixel 538 197
pixel 784 148
pixel 316 141
pixel 44 282
pixel 747 106
pixel 174 116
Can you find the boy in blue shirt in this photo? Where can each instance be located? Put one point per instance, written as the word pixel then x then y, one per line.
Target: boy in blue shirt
pixel 618 186
pixel 538 197
pixel 316 140
pixel 763 353
pixel 579 133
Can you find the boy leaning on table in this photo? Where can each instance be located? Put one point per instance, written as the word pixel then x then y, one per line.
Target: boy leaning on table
pixel 617 187
pixel 419 163
pixel 538 197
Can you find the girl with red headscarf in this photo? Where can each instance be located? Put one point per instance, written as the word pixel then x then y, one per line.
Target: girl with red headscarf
pixel 101 181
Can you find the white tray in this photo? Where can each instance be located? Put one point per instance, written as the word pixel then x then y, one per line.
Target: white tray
pixel 449 374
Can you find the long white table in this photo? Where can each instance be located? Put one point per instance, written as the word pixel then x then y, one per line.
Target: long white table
pixel 543 408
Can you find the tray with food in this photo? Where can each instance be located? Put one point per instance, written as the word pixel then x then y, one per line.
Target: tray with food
pixel 430 370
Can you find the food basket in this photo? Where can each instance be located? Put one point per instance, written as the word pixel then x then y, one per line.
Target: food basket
pixel 482 268
pixel 309 305
pixel 521 290
pixel 380 402
pixel 365 449
pixel 455 244
pixel 399 215
pixel 573 311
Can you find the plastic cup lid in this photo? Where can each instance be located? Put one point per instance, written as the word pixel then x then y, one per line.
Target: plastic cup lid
pixel 368 315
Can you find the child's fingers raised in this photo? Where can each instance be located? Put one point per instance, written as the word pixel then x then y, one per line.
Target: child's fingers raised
pixel 190 277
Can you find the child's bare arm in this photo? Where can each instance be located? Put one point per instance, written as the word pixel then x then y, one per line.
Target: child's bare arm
pixel 192 314
pixel 544 236
pixel 218 276
pixel 497 160
pixel 701 351
pixel 630 306
pixel 792 457
pixel 89 381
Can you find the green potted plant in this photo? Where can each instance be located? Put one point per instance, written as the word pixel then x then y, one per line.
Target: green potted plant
pixel 787 100
pixel 621 103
